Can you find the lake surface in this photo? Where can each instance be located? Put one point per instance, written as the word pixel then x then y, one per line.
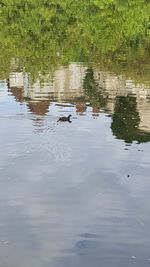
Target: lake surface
pixel 74 194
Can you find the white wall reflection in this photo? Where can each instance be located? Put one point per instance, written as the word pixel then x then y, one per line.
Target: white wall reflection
pixel 66 84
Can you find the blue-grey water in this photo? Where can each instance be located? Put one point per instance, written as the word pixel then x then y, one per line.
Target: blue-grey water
pixel 74 194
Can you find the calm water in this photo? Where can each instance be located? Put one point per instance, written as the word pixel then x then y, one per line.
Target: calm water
pixel 74 194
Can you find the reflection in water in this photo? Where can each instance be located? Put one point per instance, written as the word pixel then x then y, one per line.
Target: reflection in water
pixel 85 87
pixel 72 194
pixel 18 94
pixel 125 119
pixel 3 91
pixel 81 108
pixel 39 108
pixel 65 84
pixel 93 91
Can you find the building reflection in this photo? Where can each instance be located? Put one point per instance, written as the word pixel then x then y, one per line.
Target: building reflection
pixel 95 111
pixel 65 84
pixel 39 108
pixel 81 108
pixel 128 102
pixel 18 94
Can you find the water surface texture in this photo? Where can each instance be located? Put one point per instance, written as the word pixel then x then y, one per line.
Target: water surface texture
pixel 74 194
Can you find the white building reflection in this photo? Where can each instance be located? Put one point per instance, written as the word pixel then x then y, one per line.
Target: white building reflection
pixel 3 91
pixel 16 80
pixel 116 86
pixel 66 84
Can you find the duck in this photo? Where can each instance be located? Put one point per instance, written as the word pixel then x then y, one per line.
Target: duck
pixel 65 118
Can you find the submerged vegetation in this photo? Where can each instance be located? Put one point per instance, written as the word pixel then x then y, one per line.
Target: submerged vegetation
pixel 44 33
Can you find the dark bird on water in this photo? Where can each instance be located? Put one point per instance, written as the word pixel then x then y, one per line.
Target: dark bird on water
pixel 65 118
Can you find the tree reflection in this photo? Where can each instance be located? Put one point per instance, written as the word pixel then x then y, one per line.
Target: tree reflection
pixel 92 91
pixel 125 121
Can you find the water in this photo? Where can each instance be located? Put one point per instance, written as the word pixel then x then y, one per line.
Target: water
pixel 74 194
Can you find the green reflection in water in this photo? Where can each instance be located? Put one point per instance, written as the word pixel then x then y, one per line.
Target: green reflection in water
pixel 43 34
pixel 126 120
pixel 91 90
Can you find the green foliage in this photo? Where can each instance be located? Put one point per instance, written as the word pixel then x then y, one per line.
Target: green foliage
pixel 104 31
